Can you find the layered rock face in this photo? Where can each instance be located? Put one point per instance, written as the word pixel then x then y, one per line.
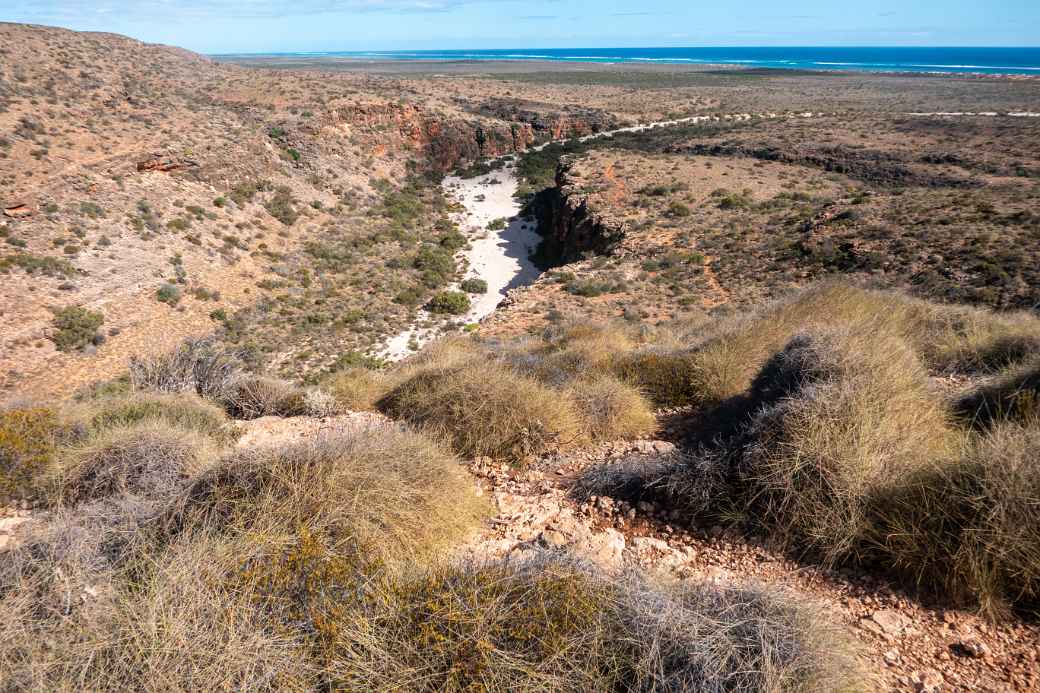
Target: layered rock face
pixel 451 142
pixel 571 226
pixel 570 122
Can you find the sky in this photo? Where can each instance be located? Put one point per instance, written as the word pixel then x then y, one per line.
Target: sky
pixel 230 26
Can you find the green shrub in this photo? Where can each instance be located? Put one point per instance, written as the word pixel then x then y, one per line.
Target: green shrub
pixel 474 286
pixel 76 327
pixel 449 303
pixel 169 294
pixel 282 206
pixel 678 209
pixel 436 264
pixel 28 440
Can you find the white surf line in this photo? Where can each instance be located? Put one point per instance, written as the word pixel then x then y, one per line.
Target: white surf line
pixel 986 114
pixel 503 258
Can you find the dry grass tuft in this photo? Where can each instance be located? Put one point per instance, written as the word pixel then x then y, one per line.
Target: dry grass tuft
pixel 150 459
pixel 486 408
pixel 387 491
pixel 357 389
pixel 28 442
pixel 611 409
pixel 185 410
pixel 550 624
pixel 254 396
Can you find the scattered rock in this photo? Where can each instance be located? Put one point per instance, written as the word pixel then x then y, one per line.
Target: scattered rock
pixel 927 681
pixel 19 211
pixel 887 623
pixel 970 647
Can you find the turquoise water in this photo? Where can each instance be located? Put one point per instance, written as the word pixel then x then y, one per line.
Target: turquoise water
pixel 1024 61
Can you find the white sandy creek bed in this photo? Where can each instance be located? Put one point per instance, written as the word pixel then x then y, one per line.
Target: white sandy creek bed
pixel 501 258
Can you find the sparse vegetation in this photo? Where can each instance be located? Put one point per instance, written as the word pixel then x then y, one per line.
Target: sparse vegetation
pixel 75 328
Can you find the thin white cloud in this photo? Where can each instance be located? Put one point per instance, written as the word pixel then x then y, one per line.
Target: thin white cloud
pixel 42 10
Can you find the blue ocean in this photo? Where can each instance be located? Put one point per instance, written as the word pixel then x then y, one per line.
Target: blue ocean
pixel 1024 61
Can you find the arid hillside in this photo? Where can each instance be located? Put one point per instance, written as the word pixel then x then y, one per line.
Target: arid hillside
pixel 174 196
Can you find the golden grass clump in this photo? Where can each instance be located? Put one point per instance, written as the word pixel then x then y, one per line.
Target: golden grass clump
pixel 185 410
pixel 721 361
pixel 155 622
pixel 357 389
pixel 577 350
pixel 386 491
pixel 1004 540
pixel 148 458
pixel 486 408
pixel 670 378
pixel 611 409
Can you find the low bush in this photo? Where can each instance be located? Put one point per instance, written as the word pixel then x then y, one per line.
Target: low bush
pixel 169 294
pixel 28 443
pixel 75 327
pixel 485 408
pixel 196 365
pixel 449 303
pixel 282 206
pixel 474 285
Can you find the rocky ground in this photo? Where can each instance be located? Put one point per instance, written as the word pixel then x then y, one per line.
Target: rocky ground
pixel 912 646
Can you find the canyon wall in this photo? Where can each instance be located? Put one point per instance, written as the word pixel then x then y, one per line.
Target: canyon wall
pixel 450 142
pixel 571 227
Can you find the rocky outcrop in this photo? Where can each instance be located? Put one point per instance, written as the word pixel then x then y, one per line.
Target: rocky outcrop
pixel 447 143
pixel 450 143
pixel 549 124
pixel 571 226
pixel 165 164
